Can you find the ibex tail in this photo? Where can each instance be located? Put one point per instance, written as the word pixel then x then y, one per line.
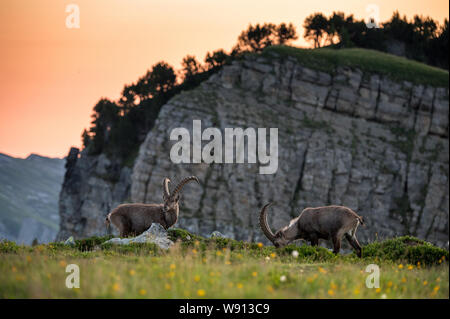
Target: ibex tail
pixel 361 220
pixel 108 223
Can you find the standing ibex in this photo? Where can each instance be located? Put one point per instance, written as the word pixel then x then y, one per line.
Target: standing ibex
pixel 329 222
pixel 134 219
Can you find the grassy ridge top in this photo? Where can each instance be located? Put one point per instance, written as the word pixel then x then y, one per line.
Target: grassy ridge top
pixel 395 67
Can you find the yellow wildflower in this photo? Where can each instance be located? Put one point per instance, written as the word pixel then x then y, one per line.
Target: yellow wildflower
pixel 142 292
pixel 323 271
pixel 201 292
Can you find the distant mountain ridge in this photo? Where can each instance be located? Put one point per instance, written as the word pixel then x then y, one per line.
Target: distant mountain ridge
pixel 29 191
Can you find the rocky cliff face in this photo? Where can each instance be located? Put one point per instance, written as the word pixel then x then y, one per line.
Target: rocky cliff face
pixel 93 185
pixel 349 138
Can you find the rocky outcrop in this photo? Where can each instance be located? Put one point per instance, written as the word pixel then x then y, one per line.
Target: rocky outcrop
pixel 156 234
pixel 348 138
pixel 93 185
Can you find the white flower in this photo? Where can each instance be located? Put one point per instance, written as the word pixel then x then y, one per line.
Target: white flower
pixel 283 278
pixel 294 253
pixel 383 296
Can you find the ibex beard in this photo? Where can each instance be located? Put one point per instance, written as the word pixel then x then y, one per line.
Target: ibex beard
pixel 328 222
pixel 134 219
pixel 233 152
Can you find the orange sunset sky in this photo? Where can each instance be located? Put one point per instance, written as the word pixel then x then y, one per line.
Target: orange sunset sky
pixel 51 76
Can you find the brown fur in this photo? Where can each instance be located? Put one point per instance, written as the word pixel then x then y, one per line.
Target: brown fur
pixel 134 219
pixel 328 222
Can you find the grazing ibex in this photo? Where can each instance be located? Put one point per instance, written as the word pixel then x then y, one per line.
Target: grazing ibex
pixel 329 222
pixel 134 219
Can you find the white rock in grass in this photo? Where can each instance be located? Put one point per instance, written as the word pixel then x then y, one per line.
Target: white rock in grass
pixel 155 234
pixel 70 241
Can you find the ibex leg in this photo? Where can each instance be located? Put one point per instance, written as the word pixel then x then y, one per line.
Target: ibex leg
pixel 336 244
pixel 354 243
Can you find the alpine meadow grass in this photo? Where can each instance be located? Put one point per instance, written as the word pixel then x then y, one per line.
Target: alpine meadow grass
pixel 197 267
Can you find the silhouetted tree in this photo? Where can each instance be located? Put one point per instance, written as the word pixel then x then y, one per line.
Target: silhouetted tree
pixel 256 38
pixel 190 67
pixel 106 113
pixel 128 97
pixel 420 37
pixel 316 26
pixel 285 33
pixel 160 79
pixel 85 138
pixel 439 47
pixel 216 59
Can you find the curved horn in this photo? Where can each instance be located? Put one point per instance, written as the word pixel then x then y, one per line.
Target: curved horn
pixel 166 192
pixel 263 223
pixel 182 183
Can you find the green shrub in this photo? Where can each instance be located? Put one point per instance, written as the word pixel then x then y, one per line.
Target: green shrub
pixel 408 249
pixel 88 244
pixel 7 246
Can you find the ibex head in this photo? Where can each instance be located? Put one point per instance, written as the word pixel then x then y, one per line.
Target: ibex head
pixel 279 239
pixel 171 199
